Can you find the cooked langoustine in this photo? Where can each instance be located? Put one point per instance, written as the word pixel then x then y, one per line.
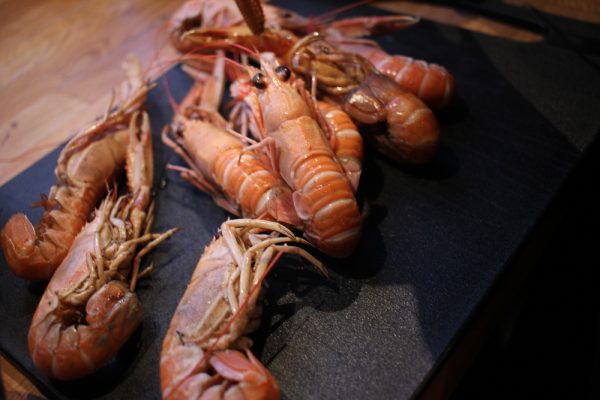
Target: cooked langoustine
pixel 205 352
pixel 200 26
pixel 86 167
pixel 430 82
pixel 239 181
pixel 323 196
pixel 223 25
pixel 89 308
pixel 411 132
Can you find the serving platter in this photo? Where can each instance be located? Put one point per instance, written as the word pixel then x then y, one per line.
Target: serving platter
pixel 435 240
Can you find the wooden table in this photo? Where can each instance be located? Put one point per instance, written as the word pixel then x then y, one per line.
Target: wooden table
pixel 61 57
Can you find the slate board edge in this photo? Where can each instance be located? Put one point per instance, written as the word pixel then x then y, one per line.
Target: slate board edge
pixel 505 275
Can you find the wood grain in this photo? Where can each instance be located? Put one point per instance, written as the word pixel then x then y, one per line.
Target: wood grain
pixel 60 60
pixel 15 385
pixel 466 20
pixel 587 11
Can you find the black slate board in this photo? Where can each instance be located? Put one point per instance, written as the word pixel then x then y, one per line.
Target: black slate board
pixel 435 241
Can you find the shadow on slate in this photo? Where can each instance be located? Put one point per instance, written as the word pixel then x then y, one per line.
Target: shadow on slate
pixel 436 239
pixel 548 346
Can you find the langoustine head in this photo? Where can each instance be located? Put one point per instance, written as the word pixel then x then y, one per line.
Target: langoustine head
pixel 279 99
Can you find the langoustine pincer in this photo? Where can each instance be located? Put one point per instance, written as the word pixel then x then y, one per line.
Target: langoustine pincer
pixel 205 352
pixel 89 308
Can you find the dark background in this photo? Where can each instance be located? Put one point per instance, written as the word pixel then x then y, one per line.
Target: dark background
pixel 548 346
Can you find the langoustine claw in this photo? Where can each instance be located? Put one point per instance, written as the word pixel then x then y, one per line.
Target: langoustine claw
pixel 253 15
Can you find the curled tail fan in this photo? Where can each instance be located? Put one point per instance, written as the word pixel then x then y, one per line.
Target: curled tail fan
pixel 27 258
pixel 253 379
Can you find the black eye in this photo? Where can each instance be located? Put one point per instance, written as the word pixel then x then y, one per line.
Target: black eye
pixel 283 73
pixel 258 81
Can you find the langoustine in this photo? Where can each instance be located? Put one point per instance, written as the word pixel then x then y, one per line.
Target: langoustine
pixel 410 132
pixel 430 82
pixel 89 308
pixel 199 24
pixel 240 181
pixel 86 167
pixel 323 196
pixel 205 352
pixel 346 142
pixel 223 26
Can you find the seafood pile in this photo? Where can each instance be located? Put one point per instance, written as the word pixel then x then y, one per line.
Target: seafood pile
pixel 286 162
pixel 306 94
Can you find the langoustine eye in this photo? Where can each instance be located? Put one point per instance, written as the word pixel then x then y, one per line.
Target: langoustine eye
pixel 259 81
pixel 283 72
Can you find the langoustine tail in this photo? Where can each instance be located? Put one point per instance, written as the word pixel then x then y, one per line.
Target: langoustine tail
pixel 246 376
pixel 68 352
pixel 26 255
